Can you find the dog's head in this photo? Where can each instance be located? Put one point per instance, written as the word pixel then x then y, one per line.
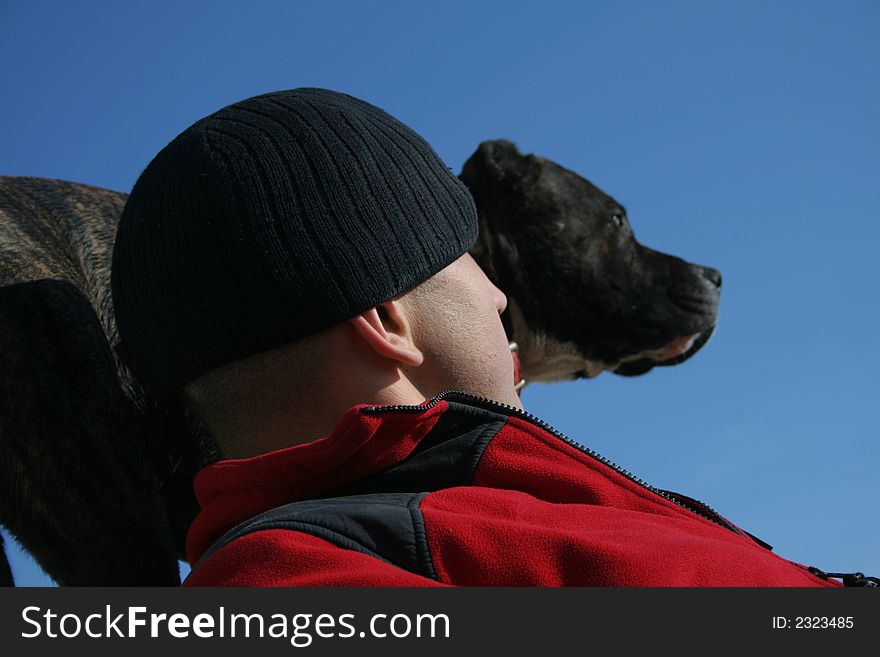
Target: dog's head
pixel 583 295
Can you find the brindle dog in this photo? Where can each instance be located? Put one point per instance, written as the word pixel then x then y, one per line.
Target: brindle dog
pixel 583 295
pixel 95 477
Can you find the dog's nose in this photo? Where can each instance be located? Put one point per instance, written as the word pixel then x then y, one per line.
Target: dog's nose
pixel 713 276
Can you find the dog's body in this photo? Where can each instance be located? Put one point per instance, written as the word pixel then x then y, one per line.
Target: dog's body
pixel 97 477
pixel 79 460
pixel 88 483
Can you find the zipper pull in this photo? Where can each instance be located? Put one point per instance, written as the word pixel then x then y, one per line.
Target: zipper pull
pixel 857 579
pixel 849 579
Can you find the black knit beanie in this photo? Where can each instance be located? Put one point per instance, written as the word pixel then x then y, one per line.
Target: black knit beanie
pixel 272 219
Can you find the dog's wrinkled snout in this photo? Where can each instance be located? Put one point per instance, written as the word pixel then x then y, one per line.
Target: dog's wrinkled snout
pixel 713 276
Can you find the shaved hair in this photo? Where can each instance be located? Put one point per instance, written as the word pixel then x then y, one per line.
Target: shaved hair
pixel 223 398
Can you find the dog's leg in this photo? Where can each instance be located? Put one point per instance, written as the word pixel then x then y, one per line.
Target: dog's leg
pixel 77 480
pixel 5 570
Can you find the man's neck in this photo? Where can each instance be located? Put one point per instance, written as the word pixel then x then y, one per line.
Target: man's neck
pixel 269 425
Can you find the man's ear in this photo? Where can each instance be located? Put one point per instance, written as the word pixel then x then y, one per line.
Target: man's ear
pixel 386 330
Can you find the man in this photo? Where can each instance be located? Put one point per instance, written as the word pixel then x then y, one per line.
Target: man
pixel 295 268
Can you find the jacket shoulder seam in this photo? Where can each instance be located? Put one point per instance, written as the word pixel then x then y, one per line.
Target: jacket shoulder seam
pixel 423 550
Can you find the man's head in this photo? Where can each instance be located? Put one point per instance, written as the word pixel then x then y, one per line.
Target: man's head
pixel 283 240
pixel 444 334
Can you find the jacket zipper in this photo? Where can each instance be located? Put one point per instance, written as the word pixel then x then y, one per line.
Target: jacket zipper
pixel 849 579
pixel 490 404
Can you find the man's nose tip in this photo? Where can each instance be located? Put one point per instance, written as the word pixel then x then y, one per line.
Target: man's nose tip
pixel 501 303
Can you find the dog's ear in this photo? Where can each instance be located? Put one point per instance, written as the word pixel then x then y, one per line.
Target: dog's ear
pixel 498 162
pixel 494 158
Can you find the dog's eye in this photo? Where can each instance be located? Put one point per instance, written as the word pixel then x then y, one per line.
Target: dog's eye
pixel 617 220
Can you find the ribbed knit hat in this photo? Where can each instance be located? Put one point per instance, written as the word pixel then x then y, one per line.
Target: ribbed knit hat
pixel 272 219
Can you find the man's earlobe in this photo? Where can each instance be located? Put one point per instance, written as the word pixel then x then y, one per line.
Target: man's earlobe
pixel 386 330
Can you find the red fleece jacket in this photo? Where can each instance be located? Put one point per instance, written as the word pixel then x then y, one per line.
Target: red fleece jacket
pixel 460 491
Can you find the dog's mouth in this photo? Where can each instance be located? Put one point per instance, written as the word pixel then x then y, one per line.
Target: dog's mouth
pixel 677 351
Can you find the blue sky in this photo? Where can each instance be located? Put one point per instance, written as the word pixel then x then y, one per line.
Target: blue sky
pixel 740 135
